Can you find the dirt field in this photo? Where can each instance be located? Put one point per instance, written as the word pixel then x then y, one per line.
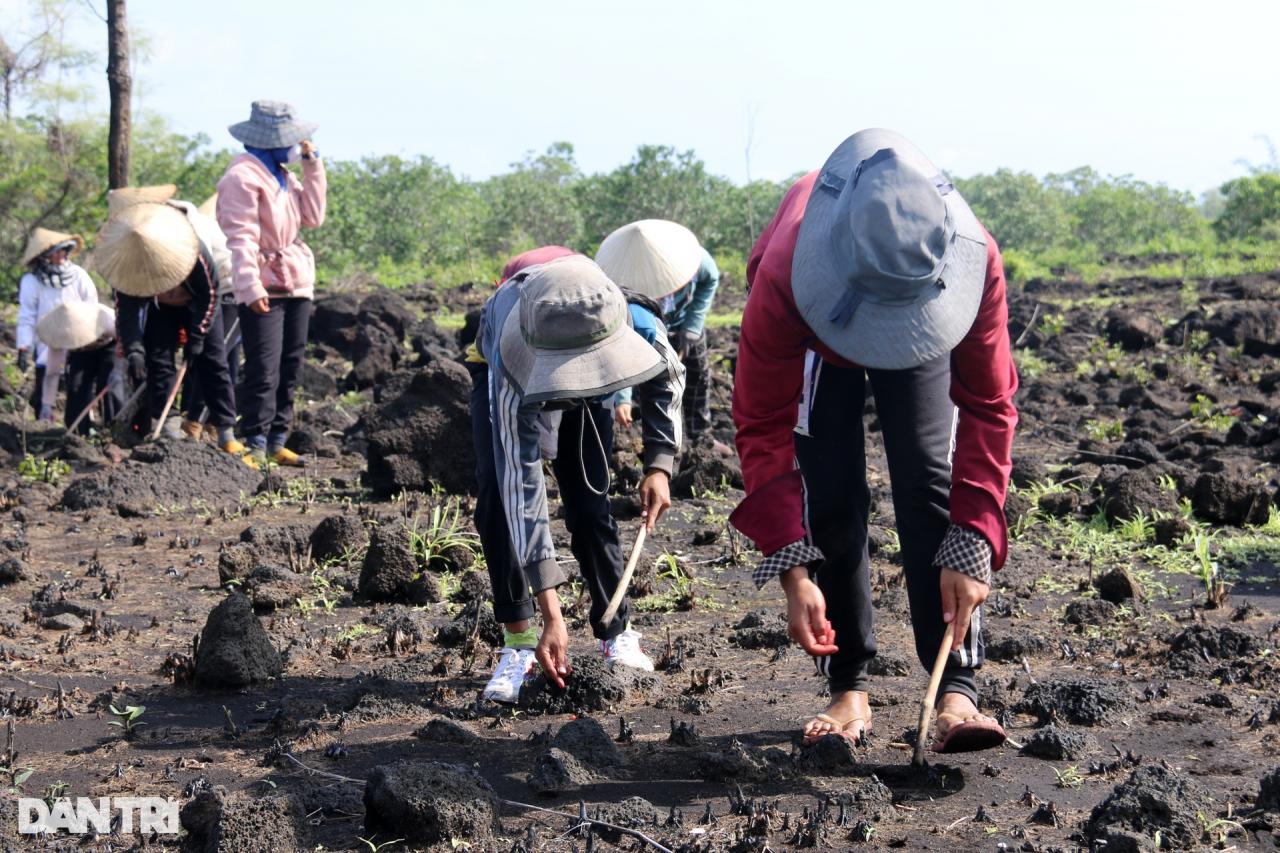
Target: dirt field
pixel 1132 636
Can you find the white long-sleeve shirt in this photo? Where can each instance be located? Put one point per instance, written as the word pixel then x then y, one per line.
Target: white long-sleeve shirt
pixel 36 299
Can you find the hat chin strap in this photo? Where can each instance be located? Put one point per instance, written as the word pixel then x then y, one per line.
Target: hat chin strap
pixel 582 452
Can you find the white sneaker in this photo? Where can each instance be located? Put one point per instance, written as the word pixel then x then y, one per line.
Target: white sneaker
pixel 625 649
pixel 513 668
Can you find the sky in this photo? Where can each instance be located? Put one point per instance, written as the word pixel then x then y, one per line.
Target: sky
pixel 1174 92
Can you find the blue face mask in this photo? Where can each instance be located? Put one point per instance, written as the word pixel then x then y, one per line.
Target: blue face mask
pixel 274 159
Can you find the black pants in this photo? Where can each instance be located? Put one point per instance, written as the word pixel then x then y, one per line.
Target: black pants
pixel 37 393
pixel 192 393
pixel 593 534
pixel 274 345
pixel 916 420
pixel 89 371
pixel 160 338
pixel 697 390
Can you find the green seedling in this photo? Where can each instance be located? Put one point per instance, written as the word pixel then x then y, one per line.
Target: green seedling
pixel 127 719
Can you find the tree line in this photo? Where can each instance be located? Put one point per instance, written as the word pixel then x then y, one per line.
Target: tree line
pixel 406 220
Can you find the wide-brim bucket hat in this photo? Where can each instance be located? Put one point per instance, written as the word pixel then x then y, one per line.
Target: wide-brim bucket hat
pixel 570 335
pixel 71 325
pixel 652 257
pixel 147 249
pixel 272 124
pixel 119 200
pixel 890 263
pixel 42 240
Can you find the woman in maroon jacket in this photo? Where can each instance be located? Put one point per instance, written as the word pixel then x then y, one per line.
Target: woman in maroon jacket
pixel 874 271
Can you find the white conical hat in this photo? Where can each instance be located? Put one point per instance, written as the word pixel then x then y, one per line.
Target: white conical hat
pixel 123 198
pixel 147 249
pixel 652 257
pixel 71 325
pixel 42 240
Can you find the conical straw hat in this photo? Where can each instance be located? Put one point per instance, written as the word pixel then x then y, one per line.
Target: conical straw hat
pixel 122 199
pixel 71 325
pixel 653 257
pixel 42 240
pixel 148 249
pixel 209 207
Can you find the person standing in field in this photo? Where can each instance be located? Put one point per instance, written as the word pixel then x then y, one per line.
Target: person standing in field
pixel 875 272
pixel 662 261
pixel 211 237
pixel 555 341
pixel 261 208
pixel 166 297
pixel 51 281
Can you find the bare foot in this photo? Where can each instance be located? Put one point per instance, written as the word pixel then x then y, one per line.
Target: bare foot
pixel 849 714
pixel 972 729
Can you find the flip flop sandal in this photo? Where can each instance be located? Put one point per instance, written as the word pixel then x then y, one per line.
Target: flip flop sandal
pixel 970 735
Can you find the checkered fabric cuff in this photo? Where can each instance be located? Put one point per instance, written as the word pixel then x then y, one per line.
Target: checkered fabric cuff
pixel 967 552
pixel 798 553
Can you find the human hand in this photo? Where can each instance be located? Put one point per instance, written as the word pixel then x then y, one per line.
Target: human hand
pixel 260 306
pixel 685 342
pixel 195 346
pixel 960 595
pixel 622 415
pixel 655 497
pixel 137 368
pixel 308 149
pixel 807 613
pixel 24 360
pixel 552 650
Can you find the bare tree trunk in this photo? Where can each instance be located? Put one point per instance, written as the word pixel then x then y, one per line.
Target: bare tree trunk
pixel 120 85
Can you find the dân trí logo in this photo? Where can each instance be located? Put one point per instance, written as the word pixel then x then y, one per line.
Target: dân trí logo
pixel 84 815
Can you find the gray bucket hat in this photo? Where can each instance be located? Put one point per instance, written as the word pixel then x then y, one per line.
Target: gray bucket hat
pixel 271 124
pixel 890 263
pixel 570 335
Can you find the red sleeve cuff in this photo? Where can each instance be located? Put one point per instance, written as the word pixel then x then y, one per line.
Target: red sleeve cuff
pixel 976 509
pixel 772 516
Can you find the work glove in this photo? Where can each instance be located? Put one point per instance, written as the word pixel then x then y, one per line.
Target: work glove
pixel 137 368
pixel 684 341
pixel 24 360
pixel 195 346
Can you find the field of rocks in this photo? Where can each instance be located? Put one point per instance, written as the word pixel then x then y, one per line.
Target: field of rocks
pixel 298 656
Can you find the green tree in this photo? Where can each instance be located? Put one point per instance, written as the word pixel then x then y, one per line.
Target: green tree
pixel 534 204
pixel 1250 207
pixel 1019 210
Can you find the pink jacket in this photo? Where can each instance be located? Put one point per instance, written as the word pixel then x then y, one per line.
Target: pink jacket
pixel 262 222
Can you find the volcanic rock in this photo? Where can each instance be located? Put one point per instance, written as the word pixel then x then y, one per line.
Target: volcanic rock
pixel 220 823
pixel 1153 799
pixel 164 473
pixel 234 649
pixel 337 536
pixel 430 803
pixel 1221 499
pixel 423 436
pixel 391 572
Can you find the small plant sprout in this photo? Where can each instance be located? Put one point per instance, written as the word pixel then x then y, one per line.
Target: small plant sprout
pixel 1068 778
pixel 374 848
pixel 127 719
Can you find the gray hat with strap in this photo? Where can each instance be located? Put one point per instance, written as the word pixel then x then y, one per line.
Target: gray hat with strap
pixel 890 263
pixel 272 124
pixel 570 334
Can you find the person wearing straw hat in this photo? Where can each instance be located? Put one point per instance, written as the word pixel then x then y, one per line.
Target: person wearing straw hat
pixel 556 341
pixel 875 274
pixel 51 279
pixel 84 334
pixel 167 296
pixel 202 219
pixel 664 262
pixel 212 241
pixel 262 207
